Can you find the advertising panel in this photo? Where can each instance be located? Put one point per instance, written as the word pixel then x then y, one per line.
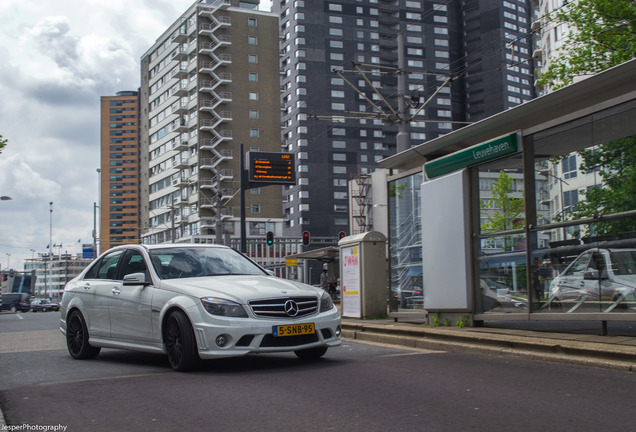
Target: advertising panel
pixel 351 304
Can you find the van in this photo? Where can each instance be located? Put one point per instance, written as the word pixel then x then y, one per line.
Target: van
pixel 15 302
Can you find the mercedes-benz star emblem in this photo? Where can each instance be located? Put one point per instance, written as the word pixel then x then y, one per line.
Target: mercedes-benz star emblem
pixel 291 308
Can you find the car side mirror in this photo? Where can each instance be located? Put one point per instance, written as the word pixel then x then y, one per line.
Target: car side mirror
pixel 135 279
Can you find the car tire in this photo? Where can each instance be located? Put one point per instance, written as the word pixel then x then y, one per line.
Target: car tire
pixel 180 343
pixel 311 353
pixel 77 338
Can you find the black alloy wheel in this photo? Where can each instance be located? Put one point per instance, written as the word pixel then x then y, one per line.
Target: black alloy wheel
pixel 181 345
pixel 77 338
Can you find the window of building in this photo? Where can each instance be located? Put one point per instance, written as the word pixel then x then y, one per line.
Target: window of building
pixel 253 77
pixel 252 40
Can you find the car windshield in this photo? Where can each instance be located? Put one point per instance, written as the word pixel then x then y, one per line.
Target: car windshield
pixel 187 262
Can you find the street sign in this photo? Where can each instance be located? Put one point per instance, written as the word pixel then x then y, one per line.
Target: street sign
pixel 271 168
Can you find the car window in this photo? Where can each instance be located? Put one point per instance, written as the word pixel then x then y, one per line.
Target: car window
pixel 133 262
pixel 105 268
pixel 623 262
pixel 578 267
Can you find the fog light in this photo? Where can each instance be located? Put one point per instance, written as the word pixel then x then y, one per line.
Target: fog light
pixel 338 331
pixel 222 340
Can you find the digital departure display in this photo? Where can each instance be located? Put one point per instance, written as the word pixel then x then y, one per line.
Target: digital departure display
pixel 274 168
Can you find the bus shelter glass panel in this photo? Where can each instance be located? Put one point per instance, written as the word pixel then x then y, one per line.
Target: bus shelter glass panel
pixel 588 264
pixel 590 166
pixel 502 244
pixel 406 244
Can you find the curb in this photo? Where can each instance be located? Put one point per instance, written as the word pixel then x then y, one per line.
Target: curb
pixel 531 347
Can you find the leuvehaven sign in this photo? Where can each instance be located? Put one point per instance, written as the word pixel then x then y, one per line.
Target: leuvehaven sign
pixel 475 155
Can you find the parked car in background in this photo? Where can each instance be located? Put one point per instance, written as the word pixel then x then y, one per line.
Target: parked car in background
pixel 15 302
pixel 44 305
pixel 193 302
pixel 602 275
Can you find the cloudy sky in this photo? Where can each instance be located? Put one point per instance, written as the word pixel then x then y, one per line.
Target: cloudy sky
pixel 57 58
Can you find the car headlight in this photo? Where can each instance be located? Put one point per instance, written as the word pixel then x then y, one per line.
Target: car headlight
pixel 325 302
pixel 222 307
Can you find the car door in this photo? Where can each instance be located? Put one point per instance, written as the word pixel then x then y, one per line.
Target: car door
pixel 94 292
pixel 130 305
pixel 571 284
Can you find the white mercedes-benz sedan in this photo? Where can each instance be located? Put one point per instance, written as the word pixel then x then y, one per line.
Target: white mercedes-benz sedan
pixel 193 302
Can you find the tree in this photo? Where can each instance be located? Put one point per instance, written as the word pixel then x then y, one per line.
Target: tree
pixel 3 142
pixel 602 34
pixel 615 163
pixel 508 214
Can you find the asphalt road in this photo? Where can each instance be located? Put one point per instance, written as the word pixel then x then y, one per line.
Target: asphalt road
pixel 356 387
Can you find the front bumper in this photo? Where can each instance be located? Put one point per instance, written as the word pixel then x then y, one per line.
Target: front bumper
pixel 241 336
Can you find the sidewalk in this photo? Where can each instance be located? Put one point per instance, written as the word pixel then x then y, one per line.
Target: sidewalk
pixel 577 343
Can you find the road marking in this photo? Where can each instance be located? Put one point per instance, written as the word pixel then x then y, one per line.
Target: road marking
pixel 40 340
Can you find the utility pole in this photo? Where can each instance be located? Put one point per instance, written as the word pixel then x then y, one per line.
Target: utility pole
pixel 403 139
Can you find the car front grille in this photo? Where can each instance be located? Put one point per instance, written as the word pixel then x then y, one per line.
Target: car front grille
pixel 284 307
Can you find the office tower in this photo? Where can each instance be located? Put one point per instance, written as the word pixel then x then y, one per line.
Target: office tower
pixel 462 62
pixel 119 170
pixel 209 84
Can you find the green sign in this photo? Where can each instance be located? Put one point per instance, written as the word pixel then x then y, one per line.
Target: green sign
pixel 473 156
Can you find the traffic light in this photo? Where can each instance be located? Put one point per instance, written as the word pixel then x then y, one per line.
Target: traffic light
pixel 341 235
pixel 305 238
pixel 270 238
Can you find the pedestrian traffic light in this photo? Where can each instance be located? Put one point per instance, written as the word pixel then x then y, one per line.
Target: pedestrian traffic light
pixel 270 238
pixel 305 238
pixel 341 235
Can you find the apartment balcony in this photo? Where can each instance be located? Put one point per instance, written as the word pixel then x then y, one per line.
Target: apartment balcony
pixel 537 54
pixel 181 54
pixel 180 182
pixel 181 72
pixel 180 202
pixel 179 90
pixel 180 126
pixel 180 109
pixel 180 144
pixel 180 163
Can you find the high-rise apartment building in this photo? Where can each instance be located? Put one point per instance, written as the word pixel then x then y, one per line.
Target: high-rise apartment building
pixel 209 84
pixel 119 170
pixel 462 62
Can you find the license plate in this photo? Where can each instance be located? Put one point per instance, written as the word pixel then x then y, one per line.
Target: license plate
pixel 294 329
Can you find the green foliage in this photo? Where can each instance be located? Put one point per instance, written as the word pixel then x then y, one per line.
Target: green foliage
pixel 615 163
pixel 602 34
pixel 3 142
pixel 437 321
pixel 396 190
pixel 463 321
pixel 509 209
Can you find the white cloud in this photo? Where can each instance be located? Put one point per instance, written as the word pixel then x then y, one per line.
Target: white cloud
pixel 57 58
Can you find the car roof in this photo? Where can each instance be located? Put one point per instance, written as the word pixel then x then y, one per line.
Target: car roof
pixel 160 246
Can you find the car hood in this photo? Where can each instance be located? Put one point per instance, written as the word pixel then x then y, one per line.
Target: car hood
pixel 239 288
